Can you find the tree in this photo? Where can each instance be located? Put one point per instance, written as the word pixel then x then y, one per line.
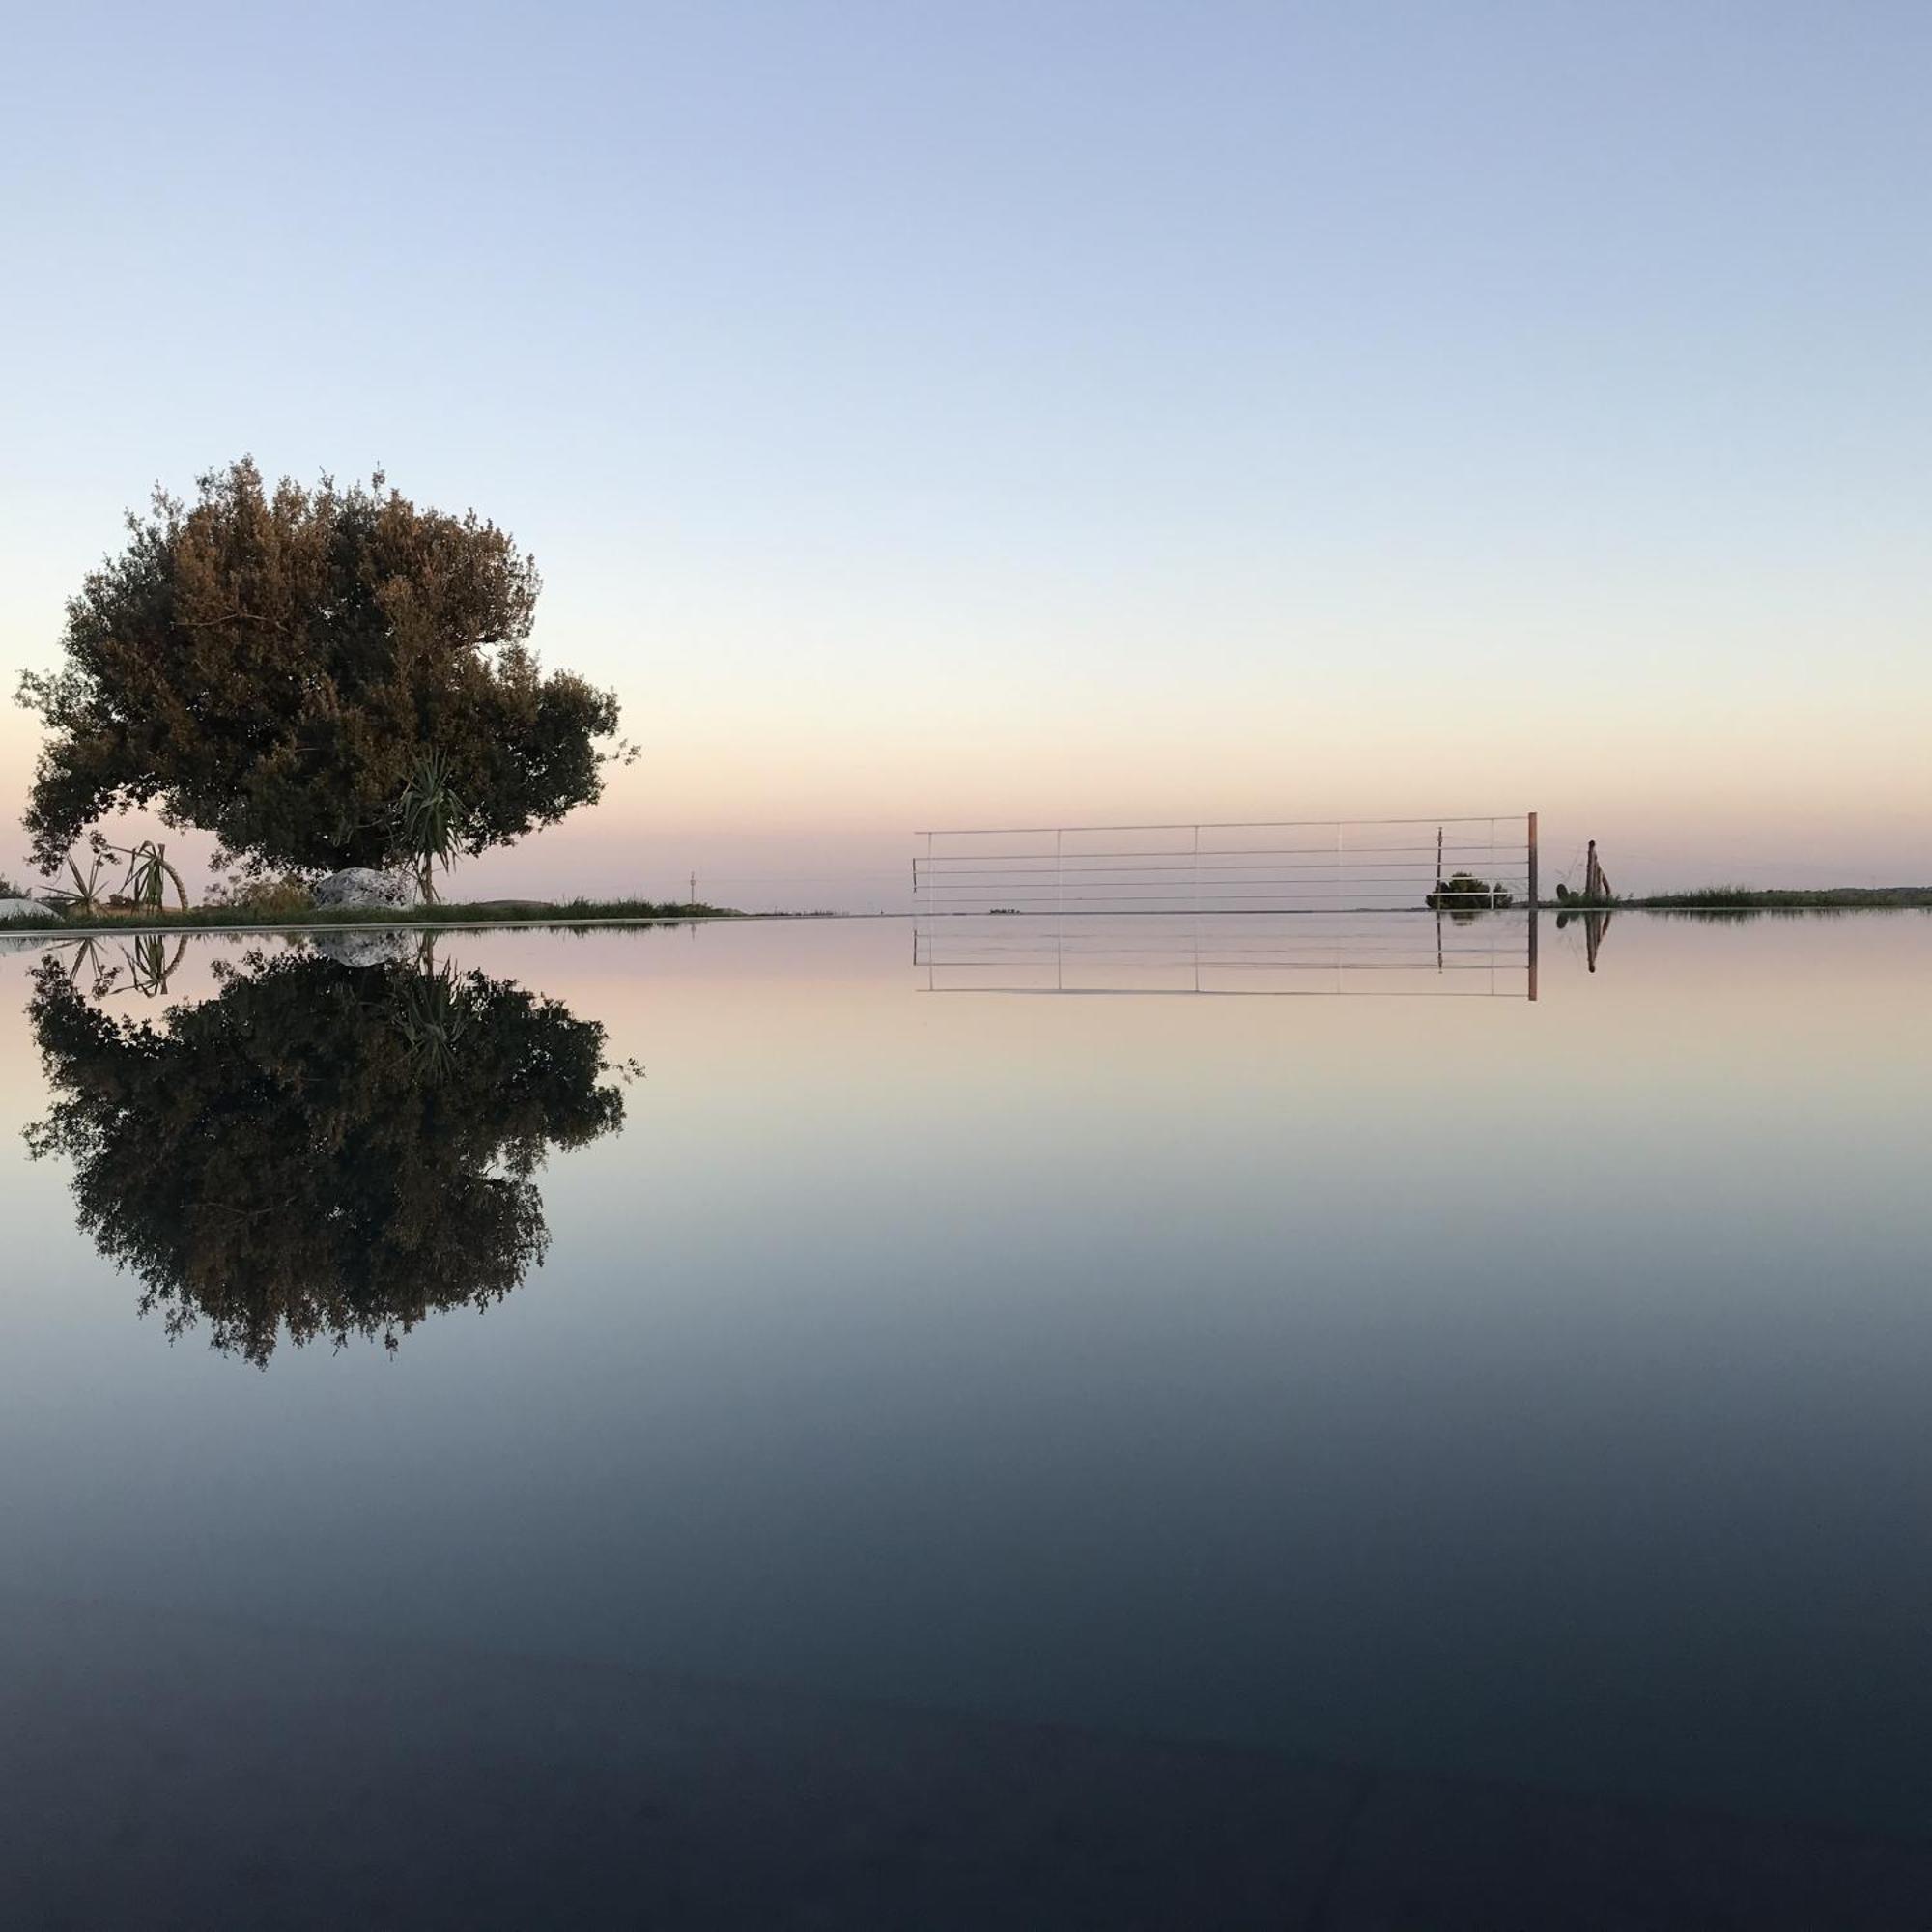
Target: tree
pixel 275 667
pixel 321 1150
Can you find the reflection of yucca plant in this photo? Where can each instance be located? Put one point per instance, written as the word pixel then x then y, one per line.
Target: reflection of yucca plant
pixel 431 1017
pixel 150 963
pixel 85 959
pixel 430 811
pixel 148 960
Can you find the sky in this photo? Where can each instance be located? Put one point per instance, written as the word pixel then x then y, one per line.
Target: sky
pixel 936 413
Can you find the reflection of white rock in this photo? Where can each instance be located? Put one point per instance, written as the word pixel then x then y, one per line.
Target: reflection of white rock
pixel 24 909
pixel 360 887
pixel 368 949
pixel 25 942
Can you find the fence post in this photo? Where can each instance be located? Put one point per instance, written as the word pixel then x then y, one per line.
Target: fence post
pixel 1535 899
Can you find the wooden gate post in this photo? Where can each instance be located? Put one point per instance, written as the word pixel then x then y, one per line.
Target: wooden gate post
pixel 1534 903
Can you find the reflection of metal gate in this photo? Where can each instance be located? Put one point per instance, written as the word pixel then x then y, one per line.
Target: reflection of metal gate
pixel 1350 906
pixel 1418 953
pixel 1361 865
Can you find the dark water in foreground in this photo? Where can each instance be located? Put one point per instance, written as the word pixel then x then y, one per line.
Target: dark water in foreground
pixel 1537 1392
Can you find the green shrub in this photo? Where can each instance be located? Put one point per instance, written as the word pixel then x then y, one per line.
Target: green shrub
pixel 1464 892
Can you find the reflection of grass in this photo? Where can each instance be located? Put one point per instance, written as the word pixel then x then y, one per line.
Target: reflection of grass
pixel 483 912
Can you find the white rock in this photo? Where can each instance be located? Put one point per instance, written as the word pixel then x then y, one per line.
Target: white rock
pixel 23 909
pixel 368 949
pixel 375 892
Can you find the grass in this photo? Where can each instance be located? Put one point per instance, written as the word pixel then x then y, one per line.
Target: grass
pixel 1763 898
pixel 478 912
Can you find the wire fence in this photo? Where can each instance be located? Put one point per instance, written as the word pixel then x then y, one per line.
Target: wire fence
pixel 1385 865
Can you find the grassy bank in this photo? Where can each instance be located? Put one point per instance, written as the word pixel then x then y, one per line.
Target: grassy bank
pixel 1760 899
pixel 474 912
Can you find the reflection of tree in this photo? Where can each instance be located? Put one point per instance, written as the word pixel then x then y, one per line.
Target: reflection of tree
pixel 331 1149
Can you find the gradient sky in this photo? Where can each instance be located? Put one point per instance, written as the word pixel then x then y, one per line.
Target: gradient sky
pixel 931 414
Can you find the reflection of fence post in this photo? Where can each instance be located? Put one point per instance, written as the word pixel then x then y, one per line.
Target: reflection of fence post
pixel 1534 903
pixel 922 907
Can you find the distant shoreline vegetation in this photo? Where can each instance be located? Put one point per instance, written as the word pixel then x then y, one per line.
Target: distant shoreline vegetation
pixel 1758 898
pixel 479 912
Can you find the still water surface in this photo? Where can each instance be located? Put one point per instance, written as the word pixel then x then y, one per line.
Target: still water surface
pixel 1536 1391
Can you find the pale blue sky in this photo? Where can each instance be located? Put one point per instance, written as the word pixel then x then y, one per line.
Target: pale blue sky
pixel 928 411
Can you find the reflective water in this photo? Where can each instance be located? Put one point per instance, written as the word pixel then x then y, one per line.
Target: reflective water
pixel 1529 1390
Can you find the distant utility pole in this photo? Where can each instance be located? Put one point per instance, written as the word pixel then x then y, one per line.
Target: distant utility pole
pixel 692 897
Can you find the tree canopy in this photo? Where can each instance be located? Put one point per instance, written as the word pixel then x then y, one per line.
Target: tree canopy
pixel 321 1150
pixel 275 667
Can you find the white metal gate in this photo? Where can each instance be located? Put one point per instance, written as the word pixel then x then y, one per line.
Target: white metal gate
pixel 1284 906
pixel 1362 865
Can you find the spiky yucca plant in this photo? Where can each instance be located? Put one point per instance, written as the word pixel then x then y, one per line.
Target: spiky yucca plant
pixel 148 874
pixel 86 896
pixel 431 814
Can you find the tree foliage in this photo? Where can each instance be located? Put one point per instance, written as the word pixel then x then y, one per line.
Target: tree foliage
pixel 272 666
pixel 321 1149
